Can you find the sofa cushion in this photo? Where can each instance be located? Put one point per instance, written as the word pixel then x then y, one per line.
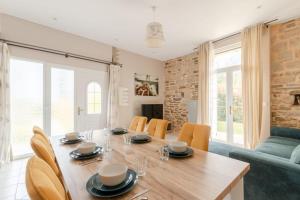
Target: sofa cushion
pixel 295 157
pixel 286 132
pixel 283 140
pixel 278 146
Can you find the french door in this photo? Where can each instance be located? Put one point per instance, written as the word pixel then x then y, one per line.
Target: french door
pixel 57 98
pixel 227 101
pixel 229 106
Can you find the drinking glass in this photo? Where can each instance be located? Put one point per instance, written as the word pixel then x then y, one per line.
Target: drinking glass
pixel 141 165
pixel 127 139
pixel 89 135
pixel 106 131
pixel 164 153
pixel 107 145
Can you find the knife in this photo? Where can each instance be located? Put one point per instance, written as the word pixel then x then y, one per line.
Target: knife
pixel 139 194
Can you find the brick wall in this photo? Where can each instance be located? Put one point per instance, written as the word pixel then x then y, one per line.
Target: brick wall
pixel 182 79
pixel 181 85
pixel 285 66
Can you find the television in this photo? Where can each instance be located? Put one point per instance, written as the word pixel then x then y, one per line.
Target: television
pixel 153 111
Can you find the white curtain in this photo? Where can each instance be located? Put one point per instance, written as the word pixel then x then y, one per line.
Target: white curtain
pixel 205 56
pixel 5 139
pixel 256 84
pixel 113 90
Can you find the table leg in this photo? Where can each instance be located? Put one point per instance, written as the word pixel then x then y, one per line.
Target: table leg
pixel 237 193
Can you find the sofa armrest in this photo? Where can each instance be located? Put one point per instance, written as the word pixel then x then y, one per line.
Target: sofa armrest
pixel 285 132
pixel 270 177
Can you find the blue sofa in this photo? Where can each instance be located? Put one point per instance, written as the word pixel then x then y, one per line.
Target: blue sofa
pixel 272 175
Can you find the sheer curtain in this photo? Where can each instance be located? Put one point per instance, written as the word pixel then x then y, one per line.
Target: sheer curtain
pixel 205 56
pixel 256 84
pixel 113 104
pixel 5 139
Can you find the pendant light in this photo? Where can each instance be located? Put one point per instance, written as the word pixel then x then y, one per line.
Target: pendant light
pixel 154 33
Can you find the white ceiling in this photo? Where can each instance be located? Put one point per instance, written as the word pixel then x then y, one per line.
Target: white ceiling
pixel 187 23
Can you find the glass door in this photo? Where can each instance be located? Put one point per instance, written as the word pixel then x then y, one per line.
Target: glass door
pixel 228 109
pixel 221 133
pixel 46 95
pixel 62 101
pixel 40 95
pixel 237 107
pixel 26 103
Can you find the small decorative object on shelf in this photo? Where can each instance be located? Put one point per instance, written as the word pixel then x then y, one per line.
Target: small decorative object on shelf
pixel 296 94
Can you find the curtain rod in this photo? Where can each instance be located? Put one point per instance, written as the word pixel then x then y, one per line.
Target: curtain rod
pixel 57 52
pixel 234 34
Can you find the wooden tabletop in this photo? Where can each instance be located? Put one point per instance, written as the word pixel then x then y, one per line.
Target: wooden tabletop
pixel 203 176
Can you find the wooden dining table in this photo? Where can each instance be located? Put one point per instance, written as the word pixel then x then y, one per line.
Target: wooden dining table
pixel 204 176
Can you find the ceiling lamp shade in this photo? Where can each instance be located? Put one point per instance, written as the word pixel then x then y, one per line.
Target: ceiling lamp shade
pixel 154 33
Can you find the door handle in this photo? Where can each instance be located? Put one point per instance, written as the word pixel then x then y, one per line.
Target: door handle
pixel 79 110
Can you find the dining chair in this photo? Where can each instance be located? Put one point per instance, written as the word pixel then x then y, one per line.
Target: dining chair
pixel 45 152
pixel 138 124
pixel 186 133
pixel 201 136
pixel 157 128
pixel 41 181
pixel 195 135
pixel 38 131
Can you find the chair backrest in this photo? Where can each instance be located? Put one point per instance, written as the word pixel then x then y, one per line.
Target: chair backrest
pixel 37 130
pixel 138 124
pixel 186 133
pixel 44 151
pixel 195 135
pixel 201 137
pixel 157 128
pixel 41 181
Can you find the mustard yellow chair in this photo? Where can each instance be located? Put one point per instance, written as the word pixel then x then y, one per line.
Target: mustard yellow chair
pixel 42 183
pixel 201 137
pixel 44 151
pixel 157 128
pixel 195 135
pixel 38 131
pixel 186 133
pixel 138 124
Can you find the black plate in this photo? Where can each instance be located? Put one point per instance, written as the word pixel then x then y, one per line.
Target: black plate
pixel 119 131
pixel 130 177
pixel 77 157
pixel 179 153
pixel 98 193
pixel 189 153
pixel 66 141
pixel 140 139
pixel 77 153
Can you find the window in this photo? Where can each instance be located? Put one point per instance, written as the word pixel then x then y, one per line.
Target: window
pixel 227 89
pixel 93 98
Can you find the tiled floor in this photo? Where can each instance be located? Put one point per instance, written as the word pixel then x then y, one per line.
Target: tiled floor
pixel 12 181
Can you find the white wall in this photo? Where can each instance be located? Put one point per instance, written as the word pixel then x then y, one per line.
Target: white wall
pixel 19 30
pixel 133 63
